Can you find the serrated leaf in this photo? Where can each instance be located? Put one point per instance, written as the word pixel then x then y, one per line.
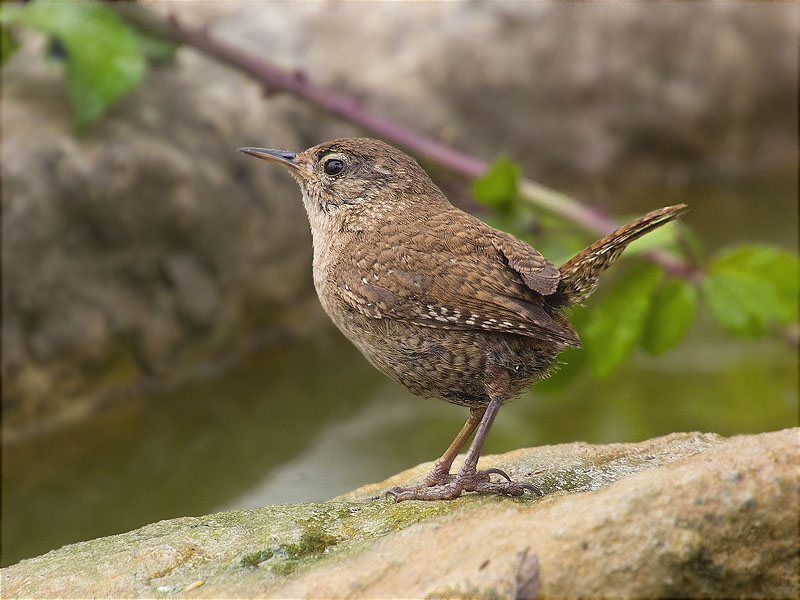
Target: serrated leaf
pixel 741 303
pixel 773 267
pixel 615 326
pixel 671 314
pixel 9 44
pixel 104 57
pixel 751 286
pixel 499 187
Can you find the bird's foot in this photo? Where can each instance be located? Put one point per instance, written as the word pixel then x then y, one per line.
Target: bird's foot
pixel 447 486
pixel 436 478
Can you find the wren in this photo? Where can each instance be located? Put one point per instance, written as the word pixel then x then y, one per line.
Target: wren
pixel 434 298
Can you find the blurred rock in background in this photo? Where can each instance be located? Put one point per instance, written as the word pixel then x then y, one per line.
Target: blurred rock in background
pixel 149 245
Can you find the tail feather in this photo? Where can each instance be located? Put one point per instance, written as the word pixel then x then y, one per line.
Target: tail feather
pixel 579 274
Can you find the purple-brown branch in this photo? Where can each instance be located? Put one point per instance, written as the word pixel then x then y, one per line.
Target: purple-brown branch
pixel 274 78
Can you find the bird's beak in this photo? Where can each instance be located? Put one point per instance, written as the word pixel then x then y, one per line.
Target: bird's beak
pixel 280 157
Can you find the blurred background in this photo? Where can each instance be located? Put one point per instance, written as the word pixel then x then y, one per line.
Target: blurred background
pixel 164 353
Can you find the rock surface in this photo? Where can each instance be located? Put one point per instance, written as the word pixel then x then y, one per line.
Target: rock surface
pixel 683 515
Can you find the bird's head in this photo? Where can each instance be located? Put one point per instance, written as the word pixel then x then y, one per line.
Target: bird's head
pixel 352 183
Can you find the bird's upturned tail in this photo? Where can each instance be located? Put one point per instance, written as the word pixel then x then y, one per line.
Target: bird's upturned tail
pixel 580 273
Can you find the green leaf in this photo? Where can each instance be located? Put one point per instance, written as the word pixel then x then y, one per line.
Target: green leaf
pixel 499 187
pixel 776 268
pixel 741 303
pixel 782 272
pixel 671 314
pixel 9 44
pixel 104 56
pixel 752 286
pixel 615 326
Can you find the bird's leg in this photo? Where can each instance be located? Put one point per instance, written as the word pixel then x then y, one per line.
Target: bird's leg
pixel 473 480
pixel 468 477
pixel 441 470
pixel 440 474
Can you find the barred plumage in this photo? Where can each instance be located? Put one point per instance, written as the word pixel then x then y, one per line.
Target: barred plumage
pixel 580 274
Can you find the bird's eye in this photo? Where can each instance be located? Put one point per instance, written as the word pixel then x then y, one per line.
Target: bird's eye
pixel 333 166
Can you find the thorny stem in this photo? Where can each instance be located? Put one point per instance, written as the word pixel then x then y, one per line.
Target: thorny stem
pixel 274 78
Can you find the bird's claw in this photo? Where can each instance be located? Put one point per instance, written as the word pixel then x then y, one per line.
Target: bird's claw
pixel 514 489
pixel 398 495
pixel 445 487
pixel 435 478
pixel 496 471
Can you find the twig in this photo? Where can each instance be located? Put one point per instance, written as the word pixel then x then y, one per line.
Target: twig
pixel 274 78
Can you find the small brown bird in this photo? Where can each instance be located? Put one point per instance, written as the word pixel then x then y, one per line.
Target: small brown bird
pixel 434 298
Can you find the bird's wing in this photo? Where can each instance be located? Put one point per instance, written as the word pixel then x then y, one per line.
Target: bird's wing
pixel 473 278
pixel 538 273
